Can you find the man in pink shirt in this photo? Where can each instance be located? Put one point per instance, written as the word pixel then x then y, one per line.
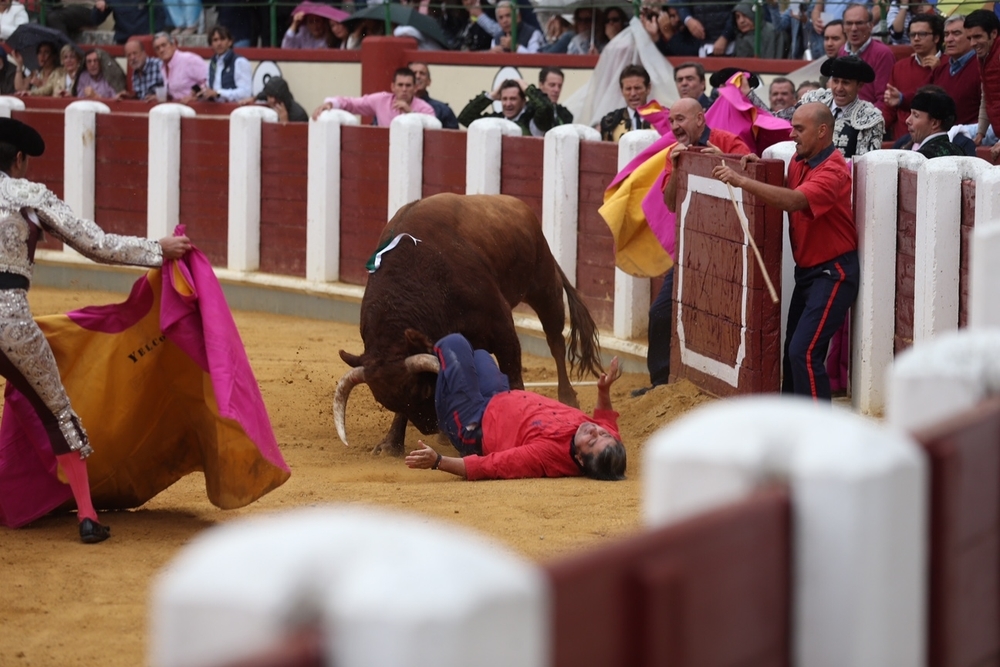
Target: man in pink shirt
pixel 384 106
pixel 504 434
pixel 184 74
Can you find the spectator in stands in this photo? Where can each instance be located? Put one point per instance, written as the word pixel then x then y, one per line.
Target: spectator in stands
pixel 230 78
pixel 91 82
pixel 184 73
pixel 504 434
pixel 131 18
pixel 908 74
pixel 384 106
pixel 307 31
pixel 824 12
pixel 690 80
pixel 546 112
pixel 513 102
pixel 587 36
pixel 69 18
pixel 707 22
pixel 982 27
pixel 7 75
pixel 147 73
pixel 239 17
pixel 858 27
pixel 634 82
pixel 781 94
pixel 806 87
pixel 61 82
pixel 340 36
pixel 422 81
pixel 47 68
pixel 12 14
pixel 931 116
pixel 962 141
pixel 278 96
pixel 615 20
pixel 772 43
pixel 899 15
pixel 529 38
pixel 558 34
pixel 663 25
pixel 470 28
pixel 958 72
pixel 834 38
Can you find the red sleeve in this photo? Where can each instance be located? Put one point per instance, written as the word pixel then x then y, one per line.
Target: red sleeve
pixel 883 70
pixel 822 190
pixel 531 460
pixel 608 419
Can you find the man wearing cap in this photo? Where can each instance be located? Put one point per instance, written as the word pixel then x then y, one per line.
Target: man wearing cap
pixel 931 116
pixel 824 244
pixel 384 106
pixel 26 360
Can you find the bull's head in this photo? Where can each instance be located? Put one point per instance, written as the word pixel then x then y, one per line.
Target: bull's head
pixel 401 384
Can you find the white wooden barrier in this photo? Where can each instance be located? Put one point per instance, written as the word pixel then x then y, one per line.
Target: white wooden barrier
pixel 859 494
pixel 163 190
pixel 784 151
pixel 80 156
pixel 8 104
pixel 323 195
pixel 984 279
pixel 244 186
pixel 387 590
pixel 483 152
pixel 406 158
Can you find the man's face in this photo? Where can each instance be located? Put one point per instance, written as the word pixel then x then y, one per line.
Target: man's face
pixel 956 43
pixel 805 134
pixel 423 76
pixel 316 25
pixel 163 49
pixel 93 63
pixel 403 88
pixel 135 55
pixel 510 100
pixel 981 41
pixel 844 91
pixel 504 18
pixel 591 439
pixel 921 125
pixel 687 123
pixel 857 26
pixel 552 86
pixel 689 83
pixel 922 39
pixel 833 40
pixel 220 44
pixel 582 20
pixel 782 96
pixel 635 91
pixel 44 55
pixel 744 23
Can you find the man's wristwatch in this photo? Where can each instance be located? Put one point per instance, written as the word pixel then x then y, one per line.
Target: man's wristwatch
pixel 437 463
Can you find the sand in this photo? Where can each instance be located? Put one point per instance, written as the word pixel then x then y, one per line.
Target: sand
pixel 65 603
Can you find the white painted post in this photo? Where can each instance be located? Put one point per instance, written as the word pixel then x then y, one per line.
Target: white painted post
pixel 784 151
pixel 876 213
pixel 483 150
pixel 561 192
pixel 339 568
pixel 984 279
pixel 859 493
pixel 939 242
pixel 939 378
pixel 163 191
pixel 80 156
pixel 406 158
pixel 244 185
pixel 632 297
pixel 323 195
pixel 9 104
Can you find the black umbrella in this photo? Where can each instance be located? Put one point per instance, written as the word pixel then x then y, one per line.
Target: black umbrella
pixel 402 15
pixel 26 38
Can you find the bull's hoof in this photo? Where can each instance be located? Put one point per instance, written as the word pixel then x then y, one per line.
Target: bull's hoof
pixel 569 398
pixel 390 448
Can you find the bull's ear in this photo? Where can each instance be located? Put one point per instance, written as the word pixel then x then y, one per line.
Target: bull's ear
pixel 351 360
pixel 418 343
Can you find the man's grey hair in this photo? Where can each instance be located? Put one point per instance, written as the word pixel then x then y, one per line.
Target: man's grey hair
pixel 508 4
pixel 955 18
pixel 863 6
pixel 165 35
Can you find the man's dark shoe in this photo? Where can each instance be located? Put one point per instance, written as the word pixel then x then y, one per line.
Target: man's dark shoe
pixel 641 391
pixel 92 532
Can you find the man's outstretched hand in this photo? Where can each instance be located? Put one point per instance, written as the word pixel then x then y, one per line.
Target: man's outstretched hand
pixel 423 457
pixel 607 379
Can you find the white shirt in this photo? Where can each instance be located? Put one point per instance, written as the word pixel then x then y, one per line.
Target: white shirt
pixel 15 15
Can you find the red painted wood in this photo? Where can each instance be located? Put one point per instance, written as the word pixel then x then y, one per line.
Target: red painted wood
pixel 713 591
pixel 283 187
pixel 444 162
pixel 364 198
pixel 204 205
pixel 521 170
pixel 906 229
pixel 595 251
pixel 122 173
pixel 968 219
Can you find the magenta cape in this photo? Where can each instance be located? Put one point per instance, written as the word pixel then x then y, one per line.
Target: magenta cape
pixel 164 388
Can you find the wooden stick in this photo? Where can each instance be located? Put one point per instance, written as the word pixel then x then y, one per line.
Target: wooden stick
pixel 753 244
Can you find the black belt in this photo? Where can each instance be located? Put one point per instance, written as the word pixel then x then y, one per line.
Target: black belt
pixel 13 281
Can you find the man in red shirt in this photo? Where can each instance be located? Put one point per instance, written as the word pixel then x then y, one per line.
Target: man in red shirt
pixel 504 434
pixel 858 28
pixel 926 34
pixel 824 243
pixel 982 28
pixel 958 72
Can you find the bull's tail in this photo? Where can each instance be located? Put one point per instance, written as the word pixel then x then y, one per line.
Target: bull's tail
pixel 584 350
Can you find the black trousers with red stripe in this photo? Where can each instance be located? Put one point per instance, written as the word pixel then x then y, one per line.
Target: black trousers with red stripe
pixel 822 297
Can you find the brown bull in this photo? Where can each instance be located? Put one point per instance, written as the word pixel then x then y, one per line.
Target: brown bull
pixel 476 257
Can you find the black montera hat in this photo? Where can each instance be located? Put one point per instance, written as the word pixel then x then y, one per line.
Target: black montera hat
pixel 22 136
pixel 848 67
pixel 725 73
pixel 936 105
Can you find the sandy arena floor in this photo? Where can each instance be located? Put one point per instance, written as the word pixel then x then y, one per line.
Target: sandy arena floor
pixel 65 603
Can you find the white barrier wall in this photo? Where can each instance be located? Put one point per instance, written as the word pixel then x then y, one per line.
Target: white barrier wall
pixel 163 190
pixel 483 152
pixel 80 156
pixel 784 151
pixel 984 279
pixel 406 158
pixel 244 186
pixel 8 104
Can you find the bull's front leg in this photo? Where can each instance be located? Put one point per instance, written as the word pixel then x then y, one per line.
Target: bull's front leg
pixel 392 443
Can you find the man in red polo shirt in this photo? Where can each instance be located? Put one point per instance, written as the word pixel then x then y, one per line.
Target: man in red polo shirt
pixel 504 434
pixel 982 28
pixel 926 33
pixel 824 244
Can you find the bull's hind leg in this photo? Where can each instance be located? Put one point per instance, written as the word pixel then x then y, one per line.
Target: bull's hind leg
pixel 547 303
pixel 392 443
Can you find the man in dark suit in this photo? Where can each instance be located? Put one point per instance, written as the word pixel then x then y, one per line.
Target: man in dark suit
pixel 931 116
pixel 634 82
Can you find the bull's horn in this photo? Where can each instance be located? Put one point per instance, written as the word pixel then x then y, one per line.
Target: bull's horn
pixel 353 377
pixel 423 363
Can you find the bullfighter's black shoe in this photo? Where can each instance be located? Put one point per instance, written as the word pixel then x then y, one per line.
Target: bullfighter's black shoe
pixel 92 532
